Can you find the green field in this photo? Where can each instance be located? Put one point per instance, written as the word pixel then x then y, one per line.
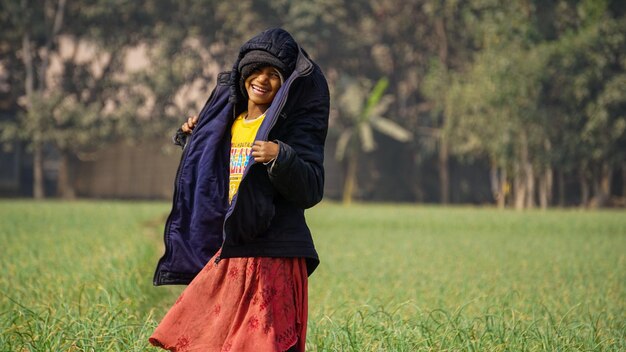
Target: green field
pixel 76 276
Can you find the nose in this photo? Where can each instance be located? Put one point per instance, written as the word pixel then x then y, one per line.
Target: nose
pixel 263 77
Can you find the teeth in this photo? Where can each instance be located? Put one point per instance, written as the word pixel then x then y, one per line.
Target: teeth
pixel 257 88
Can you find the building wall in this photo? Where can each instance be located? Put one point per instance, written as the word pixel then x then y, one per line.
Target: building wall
pixel 144 171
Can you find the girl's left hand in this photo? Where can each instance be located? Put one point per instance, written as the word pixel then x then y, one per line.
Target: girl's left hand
pixel 264 152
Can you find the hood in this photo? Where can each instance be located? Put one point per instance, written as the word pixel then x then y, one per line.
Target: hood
pixel 275 41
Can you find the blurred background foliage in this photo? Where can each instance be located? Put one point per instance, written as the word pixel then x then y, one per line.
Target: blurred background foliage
pixel 518 103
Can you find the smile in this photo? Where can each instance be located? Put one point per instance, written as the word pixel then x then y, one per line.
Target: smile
pixel 259 90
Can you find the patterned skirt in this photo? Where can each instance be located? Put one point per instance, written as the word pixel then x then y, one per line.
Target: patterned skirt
pixel 239 304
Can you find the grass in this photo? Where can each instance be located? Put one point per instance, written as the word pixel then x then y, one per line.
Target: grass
pixel 406 278
pixel 76 276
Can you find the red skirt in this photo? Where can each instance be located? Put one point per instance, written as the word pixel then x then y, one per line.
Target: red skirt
pixel 240 304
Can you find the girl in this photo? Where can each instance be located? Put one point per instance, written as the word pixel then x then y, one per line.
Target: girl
pixel 252 162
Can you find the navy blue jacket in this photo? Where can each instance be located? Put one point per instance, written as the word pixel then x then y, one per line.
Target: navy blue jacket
pixel 266 216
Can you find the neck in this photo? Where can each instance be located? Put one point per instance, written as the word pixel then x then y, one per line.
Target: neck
pixel 255 110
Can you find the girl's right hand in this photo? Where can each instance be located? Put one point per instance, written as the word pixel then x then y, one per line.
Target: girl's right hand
pixel 188 126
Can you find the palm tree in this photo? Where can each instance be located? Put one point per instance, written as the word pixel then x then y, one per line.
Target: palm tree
pixel 362 112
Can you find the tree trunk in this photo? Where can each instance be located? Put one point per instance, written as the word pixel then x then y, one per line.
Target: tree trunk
pixel 444 172
pixel 519 186
pixel 350 179
pixel 606 179
pixel 584 187
pixel 549 175
pixel 499 186
pixel 527 173
pixel 29 87
pixel 546 179
pixel 65 184
pixel 524 178
pixel 624 180
pixel 543 193
pixel 38 186
pixel 444 154
pixel 504 189
pixel 494 182
pixel 561 178
pixel 602 186
pixel 545 189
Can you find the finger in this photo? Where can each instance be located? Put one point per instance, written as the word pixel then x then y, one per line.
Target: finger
pixel 195 119
pixel 260 158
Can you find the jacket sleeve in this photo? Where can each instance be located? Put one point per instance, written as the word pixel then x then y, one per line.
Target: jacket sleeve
pixel 298 171
pixel 180 138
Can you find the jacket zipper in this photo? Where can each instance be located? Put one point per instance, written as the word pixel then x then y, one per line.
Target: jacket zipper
pixel 272 123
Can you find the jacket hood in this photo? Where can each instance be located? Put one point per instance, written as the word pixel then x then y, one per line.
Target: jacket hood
pixel 276 41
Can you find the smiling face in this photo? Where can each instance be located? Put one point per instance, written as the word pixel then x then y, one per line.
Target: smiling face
pixel 262 86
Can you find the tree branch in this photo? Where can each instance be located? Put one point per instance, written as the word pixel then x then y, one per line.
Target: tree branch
pixel 56 28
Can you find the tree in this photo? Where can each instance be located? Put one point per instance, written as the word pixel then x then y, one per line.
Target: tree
pixel 71 106
pixel 364 111
pixel 21 28
pixel 546 102
pixel 587 73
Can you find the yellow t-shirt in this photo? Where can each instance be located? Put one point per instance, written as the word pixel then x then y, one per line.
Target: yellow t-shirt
pixel 243 134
